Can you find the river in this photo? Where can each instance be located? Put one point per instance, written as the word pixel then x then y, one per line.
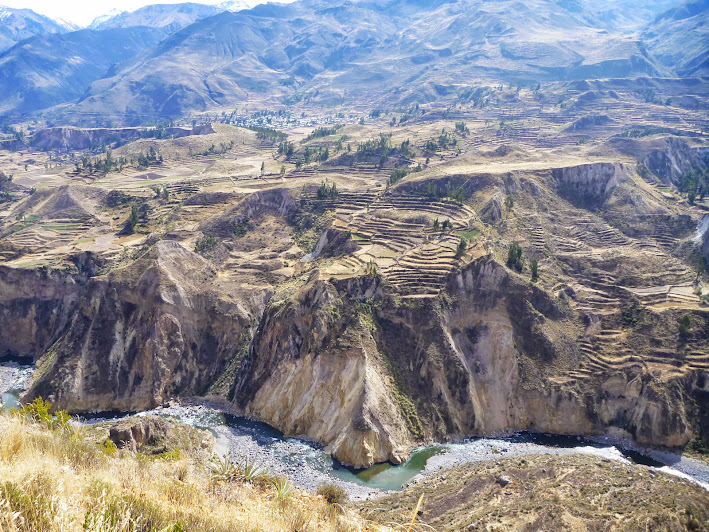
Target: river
pixel 307 465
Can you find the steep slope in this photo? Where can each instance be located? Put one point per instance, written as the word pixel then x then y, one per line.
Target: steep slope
pixel 679 38
pixel 398 50
pixel 47 70
pixel 19 24
pixel 167 17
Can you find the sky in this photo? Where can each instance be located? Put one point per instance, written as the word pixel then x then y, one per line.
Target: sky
pixel 82 12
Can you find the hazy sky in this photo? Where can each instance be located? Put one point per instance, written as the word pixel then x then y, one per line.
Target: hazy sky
pixel 82 12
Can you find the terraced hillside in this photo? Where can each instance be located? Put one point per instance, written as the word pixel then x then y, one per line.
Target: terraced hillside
pixel 372 281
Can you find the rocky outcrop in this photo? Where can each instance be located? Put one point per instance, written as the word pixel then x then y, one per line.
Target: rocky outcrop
pixel 332 242
pixel 314 371
pixel 135 433
pixel 589 185
pixel 491 213
pixel 152 435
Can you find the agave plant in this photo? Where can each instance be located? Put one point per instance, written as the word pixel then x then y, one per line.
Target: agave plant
pixel 283 486
pixel 252 471
pixel 223 469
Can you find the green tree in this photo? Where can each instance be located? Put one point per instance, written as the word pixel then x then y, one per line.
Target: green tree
pixel 514 257
pixel 534 267
pixel 509 202
pixel 458 195
pixel 685 323
pixel 462 246
pixel 132 219
pixel 134 214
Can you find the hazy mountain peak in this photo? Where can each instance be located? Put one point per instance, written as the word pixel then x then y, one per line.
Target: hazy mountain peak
pixel 234 5
pixel 101 19
pixel 19 24
pixel 168 17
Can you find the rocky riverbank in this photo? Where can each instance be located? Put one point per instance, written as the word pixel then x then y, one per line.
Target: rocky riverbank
pixel 13 378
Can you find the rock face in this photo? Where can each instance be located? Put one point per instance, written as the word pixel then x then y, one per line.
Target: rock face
pixel 492 211
pixel 672 159
pixel 348 362
pixel 703 237
pixel 590 184
pixel 141 335
pixel 36 306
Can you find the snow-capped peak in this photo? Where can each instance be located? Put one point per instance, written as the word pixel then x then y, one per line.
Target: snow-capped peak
pixel 106 16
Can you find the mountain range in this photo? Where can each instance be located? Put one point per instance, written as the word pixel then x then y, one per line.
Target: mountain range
pixel 197 57
pixel 19 24
pixel 167 17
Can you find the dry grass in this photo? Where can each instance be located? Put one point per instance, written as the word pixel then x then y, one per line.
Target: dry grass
pixel 60 480
pixel 572 492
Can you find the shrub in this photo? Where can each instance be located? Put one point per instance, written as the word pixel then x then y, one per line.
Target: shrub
pixel 534 267
pixel 509 202
pixel 108 447
pixel 205 244
pixel 326 191
pixel 332 493
pixel 370 270
pixel 252 471
pixel 397 175
pixel 240 226
pixel 39 411
pixel 32 502
pixel 132 220
pixel 223 469
pixel 458 195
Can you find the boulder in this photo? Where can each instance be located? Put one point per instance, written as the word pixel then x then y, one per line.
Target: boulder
pixel 135 433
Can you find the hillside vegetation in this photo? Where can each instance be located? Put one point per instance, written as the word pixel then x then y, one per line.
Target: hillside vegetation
pixel 55 476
